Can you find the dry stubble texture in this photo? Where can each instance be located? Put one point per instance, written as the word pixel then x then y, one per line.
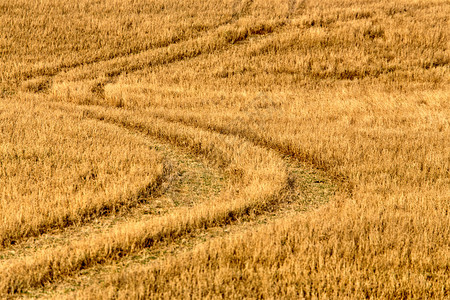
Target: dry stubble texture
pixel 356 89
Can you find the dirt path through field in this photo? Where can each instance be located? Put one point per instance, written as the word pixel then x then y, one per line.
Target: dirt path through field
pixel 190 182
pixel 308 191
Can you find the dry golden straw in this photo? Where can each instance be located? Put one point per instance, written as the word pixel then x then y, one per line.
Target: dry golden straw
pixel 259 91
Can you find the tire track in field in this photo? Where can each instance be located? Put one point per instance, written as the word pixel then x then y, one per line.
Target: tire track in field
pixel 248 200
pixel 297 204
pixel 187 182
pixel 214 125
pixel 303 191
pixel 50 72
pixel 220 38
pixel 89 215
pixel 53 71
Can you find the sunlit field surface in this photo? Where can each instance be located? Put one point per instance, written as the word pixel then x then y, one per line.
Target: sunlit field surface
pixel 224 149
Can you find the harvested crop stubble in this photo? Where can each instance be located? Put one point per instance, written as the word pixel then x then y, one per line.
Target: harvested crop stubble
pixel 389 239
pixel 85 32
pixel 358 89
pixel 257 179
pixel 58 169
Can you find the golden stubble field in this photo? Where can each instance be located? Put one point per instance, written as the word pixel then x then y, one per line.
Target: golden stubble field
pixel 224 149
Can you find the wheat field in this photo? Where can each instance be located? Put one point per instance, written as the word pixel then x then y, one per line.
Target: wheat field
pixel 257 149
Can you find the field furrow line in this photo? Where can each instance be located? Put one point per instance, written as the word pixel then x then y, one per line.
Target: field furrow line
pixel 51 176
pixel 258 177
pixel 175 39
pixel 185 181
pixel 218 38
pixel 255 135
pixel 251 197
pixel 222 39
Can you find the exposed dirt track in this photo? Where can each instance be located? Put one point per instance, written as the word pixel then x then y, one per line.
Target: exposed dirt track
pixel 302 190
